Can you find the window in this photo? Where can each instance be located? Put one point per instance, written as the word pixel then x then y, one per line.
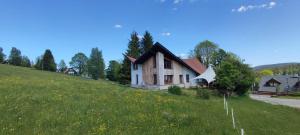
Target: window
pixel 135 66
pixel 154 62
pixel 181 78
pixel 154 79
pixel 187 77
pixel 168 79
pixel 167 64
pixel 137 79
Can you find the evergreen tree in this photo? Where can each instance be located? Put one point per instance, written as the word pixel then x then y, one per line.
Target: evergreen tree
pixel 96 64
pixel 15 57
pixel 2 55
pixel 25 62
pixel 132 51
pixel 62 66
pixel 79 62
pixel 113 70
pixel 147 42
pixel 48 63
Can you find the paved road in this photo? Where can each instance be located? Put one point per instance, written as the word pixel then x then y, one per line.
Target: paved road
pixel 277 101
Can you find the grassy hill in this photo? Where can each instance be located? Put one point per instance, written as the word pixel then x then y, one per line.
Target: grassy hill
pixel 36 102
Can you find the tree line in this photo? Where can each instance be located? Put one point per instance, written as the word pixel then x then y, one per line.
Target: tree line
pixel 92 67
pixel 233 75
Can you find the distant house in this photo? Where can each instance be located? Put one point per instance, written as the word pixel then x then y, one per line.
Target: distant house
pixel 286 83
pixel 70 71
pixel 159 68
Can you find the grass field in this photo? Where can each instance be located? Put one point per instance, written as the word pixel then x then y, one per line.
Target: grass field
pixel 35 102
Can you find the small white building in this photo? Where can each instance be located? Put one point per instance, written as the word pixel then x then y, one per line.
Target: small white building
pixel 159 68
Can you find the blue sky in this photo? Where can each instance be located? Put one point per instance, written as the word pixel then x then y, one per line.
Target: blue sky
pixel 259 31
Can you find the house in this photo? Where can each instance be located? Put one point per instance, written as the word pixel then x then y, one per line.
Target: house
pixel 159 68
pixel 70 71
pixel 286 83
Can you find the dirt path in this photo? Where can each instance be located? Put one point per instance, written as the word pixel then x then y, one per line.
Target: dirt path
pixel 277 101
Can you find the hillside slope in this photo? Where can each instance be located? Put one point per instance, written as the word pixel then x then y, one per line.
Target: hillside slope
pixel 36 102
pixel 272 66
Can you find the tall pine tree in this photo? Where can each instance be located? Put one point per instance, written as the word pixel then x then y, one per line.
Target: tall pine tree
pixel 15 57
pixel 132 51
pixel 147 42
pixel 48 63
pixel 96 64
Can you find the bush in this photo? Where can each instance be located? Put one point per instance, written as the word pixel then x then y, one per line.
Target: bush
pixel 175 90
pixel 203 93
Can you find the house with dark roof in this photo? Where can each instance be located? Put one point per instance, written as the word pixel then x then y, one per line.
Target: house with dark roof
pixel 286 83
pixel 159 68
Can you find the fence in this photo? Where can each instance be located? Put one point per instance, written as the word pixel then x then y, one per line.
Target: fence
pixel 241 131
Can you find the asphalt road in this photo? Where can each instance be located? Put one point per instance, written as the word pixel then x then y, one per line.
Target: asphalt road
pixel 277 101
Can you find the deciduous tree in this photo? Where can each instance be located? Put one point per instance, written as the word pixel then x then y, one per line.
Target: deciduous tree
pixel 79 62
pixel 204 52
pixel 62 66
pixel 113 70
pixel 25 62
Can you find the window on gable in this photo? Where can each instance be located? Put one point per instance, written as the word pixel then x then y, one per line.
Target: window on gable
pixel 167 64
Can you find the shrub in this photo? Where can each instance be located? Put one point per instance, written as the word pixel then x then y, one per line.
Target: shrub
pixel 175 90
pixel 203 93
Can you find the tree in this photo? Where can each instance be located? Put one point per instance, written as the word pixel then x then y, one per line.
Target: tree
pixel 218 57
pixel 25 62
pixel 266 72
pixel 132 51
pixel 79 62
pixel 113 70
pixel 48 63
pixel 204 52
pixel 62 66
pixel 96 64
pixel 2 55
pixel 39 63
pixel 234 76
pixel 15 57
pixel 147 42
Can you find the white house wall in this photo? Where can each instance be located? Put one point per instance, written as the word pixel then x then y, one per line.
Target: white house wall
pixel 138 72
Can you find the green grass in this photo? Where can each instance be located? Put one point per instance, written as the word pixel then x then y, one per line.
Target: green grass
pixel 35 102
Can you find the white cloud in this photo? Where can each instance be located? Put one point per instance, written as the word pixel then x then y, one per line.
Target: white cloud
pixel 183 55
pixel 177 1
pixel 118 26
pixel 245 8
pixel 166 34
